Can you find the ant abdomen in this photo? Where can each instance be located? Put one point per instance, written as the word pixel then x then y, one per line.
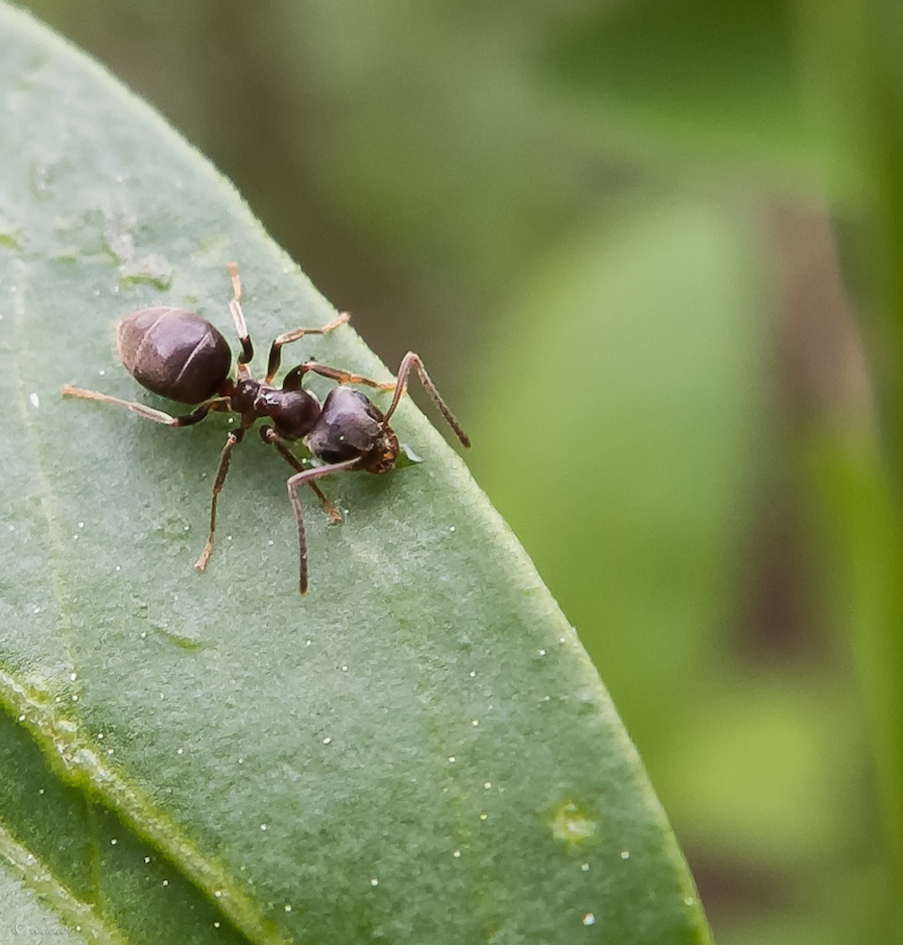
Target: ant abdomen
pixel 174 353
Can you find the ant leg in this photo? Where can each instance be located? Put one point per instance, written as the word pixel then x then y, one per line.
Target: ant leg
pixel 241 326
pixel 269 435
pixel 340 376
pixel 306 476
pixel 234 438
pixel 149 413
pixel 335 516
pixel 411 360
pixel 296 335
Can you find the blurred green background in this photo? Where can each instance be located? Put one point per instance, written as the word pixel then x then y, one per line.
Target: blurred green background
pixel 610 230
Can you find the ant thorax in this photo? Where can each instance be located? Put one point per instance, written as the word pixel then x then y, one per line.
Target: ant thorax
pixel 293 412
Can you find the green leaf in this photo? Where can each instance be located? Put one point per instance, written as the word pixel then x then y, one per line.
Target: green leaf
pixel 419 750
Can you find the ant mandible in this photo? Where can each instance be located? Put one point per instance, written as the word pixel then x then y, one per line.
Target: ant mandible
pixel 179 355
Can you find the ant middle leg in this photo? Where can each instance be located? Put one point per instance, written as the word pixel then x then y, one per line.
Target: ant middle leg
pixel 225 458
pixel 288 337
pixel 269 435
pixel 149 413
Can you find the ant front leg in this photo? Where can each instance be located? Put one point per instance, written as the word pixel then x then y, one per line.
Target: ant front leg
pixel 307 476
pixel 149 413
pixel 288 337
pixel 412 361
pixel 269 435
pixel 334 374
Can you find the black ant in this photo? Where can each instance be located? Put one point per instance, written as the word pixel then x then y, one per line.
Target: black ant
pixel 179 355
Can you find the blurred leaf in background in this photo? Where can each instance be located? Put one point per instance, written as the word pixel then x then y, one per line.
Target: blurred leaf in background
pixel 604 226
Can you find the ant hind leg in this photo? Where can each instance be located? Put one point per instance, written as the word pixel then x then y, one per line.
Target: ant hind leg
pixel 149 413
pixel 238 317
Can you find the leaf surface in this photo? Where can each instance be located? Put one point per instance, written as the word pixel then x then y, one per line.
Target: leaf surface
pixel 419 750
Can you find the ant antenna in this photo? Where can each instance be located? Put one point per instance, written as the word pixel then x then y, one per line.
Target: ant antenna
pixel 411 360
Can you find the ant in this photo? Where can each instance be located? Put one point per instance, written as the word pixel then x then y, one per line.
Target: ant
pixel 179 355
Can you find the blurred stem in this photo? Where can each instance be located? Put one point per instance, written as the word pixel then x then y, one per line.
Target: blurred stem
pixel 866 560
pixel 850 52
pixel 885 244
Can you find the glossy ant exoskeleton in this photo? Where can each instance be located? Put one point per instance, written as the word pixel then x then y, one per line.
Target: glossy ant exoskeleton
pixel 179 355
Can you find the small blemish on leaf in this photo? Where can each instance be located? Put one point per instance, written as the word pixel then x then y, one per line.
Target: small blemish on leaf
pixel 570 823
pixel 8 238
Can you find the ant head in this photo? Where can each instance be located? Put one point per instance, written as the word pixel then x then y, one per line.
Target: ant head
pixel 350 427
